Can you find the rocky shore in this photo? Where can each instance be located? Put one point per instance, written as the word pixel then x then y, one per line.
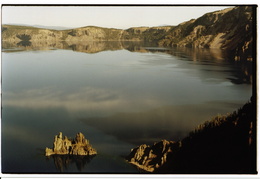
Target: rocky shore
pixel 224 145
pixel 65 146
pixel 149 158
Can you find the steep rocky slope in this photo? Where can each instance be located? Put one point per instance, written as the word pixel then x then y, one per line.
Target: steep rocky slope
pixel 149 34
pixel 226 144
pixel 18 33
pixel 229 29
pixel 150 158
pixel 13 33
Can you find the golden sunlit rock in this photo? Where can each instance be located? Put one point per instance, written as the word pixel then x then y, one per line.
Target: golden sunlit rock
pixel 65 146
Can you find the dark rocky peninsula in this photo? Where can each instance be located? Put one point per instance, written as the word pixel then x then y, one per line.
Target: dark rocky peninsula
pixel 65 146
pixel 224 145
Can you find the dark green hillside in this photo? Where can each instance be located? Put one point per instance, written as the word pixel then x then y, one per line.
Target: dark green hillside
pixel 224 145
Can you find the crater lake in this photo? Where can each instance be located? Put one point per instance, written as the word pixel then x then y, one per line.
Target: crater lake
pixel 119 95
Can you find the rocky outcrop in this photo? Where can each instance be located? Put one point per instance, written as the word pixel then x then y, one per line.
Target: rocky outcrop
pixel 13 33
pixel 149 158
pixel 148 34
pixel 65 146
pixel 221 29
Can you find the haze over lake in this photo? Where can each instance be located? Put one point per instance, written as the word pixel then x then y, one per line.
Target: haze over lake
pixel 117 97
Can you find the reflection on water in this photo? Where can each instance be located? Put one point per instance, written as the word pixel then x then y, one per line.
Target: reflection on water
pixel 118 98
pixel 87 47
pixel 99 46
pixel 63 162
pixel 207 56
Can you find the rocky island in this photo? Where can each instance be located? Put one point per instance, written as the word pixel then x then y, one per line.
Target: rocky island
pixel 65 146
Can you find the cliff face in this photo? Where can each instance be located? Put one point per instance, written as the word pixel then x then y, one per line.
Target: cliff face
pixel 220 29
pixel 229 29
pixel 152 34
pixel 150 158
pixel 90 33
pixel 16 34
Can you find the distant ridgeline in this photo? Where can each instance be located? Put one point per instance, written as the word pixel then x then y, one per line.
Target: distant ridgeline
pixel 224 145
pixel 229 29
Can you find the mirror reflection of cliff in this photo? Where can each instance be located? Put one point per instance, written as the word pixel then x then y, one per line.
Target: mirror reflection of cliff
pixel 86 46
pixel 81 46
pixel 63 162
pixel 244 71
pixel 244 75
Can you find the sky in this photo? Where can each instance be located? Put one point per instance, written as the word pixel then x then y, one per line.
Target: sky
pixel 121 17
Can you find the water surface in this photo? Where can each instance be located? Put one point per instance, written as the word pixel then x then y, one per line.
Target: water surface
pixel 117 97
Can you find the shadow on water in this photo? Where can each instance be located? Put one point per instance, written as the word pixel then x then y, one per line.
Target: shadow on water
pixel 64 162
pixel 167 122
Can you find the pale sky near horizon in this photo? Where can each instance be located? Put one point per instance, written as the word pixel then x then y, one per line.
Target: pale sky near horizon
pixel 121 17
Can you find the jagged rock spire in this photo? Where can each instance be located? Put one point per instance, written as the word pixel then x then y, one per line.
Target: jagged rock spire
pixel 65 146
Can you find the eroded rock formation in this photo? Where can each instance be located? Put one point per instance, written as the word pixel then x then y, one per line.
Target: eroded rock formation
pixel 152 157
pixel 224 29
pixel 65 146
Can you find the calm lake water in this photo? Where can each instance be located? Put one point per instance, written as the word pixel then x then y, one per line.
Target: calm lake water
pixel 118 98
